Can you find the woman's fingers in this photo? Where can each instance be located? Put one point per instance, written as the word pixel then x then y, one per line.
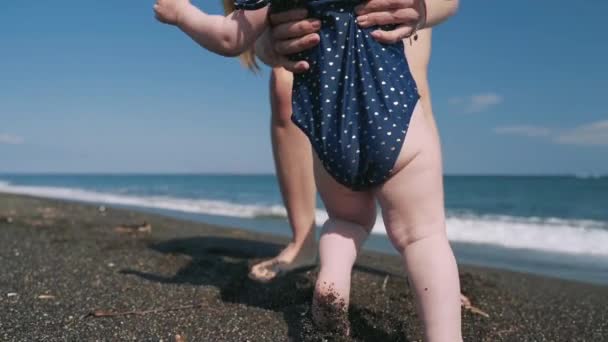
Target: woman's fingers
pixel 405 16
pixel 295 29
pixel 393 36
pixel 295 45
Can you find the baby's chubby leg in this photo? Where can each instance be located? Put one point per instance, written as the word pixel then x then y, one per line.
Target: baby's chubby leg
pixel 351 217
pixel 413 210
pixel 339 246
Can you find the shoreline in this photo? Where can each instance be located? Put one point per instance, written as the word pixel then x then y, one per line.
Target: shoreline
pixel 563 246
pixel 63 260
pixel 530 254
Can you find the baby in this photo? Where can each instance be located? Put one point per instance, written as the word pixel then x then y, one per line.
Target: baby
pixel 355 105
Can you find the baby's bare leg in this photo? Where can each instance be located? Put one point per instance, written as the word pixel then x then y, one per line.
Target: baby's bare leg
pixel 351 217
pixel 413 212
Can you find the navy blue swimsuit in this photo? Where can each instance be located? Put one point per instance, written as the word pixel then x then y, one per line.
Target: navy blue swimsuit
pixel 356 101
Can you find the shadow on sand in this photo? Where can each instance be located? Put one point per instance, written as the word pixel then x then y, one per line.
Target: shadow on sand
pixel 223 262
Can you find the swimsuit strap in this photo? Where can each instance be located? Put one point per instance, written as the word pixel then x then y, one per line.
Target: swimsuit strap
pixel 250 5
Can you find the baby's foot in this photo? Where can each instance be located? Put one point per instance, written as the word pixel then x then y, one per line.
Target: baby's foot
pixel 330 312
pixel 289 259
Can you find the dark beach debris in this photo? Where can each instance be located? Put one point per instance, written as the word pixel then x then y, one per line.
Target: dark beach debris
pixel 467 305
pixel 48 213
pixel 38 223
pixel 144 227
pixel 107 313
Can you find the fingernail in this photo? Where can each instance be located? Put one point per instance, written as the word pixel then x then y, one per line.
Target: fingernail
pixel 316 25
pixel 361 18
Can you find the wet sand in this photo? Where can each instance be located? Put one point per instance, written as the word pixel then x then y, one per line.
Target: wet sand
pixel 64 266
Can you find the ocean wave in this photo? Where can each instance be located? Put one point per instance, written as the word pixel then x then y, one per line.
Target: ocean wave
pixel 211 207
pixel 591 176
pixel 584 237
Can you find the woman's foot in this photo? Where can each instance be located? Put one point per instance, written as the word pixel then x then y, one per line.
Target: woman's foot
pixel 293 257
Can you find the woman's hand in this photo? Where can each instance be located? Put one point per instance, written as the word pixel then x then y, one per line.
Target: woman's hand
pixel 169 11
pixel 293 32
pixel 406 14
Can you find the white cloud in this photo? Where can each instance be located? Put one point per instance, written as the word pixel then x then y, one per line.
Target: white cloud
pixel 524 130
pixel 456 100
pixel 477 102
pixel 595 133
pixel 10 139
pixel 592 134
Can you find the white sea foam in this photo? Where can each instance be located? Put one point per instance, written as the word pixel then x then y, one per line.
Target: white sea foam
pixel 583 237
pixel 210 207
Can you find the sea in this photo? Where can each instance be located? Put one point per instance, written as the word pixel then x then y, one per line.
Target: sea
pixel 553 226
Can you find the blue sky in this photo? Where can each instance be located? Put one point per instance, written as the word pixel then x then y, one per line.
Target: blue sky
pixel 98 86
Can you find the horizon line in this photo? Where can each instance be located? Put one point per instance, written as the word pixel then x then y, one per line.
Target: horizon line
pixel 457 174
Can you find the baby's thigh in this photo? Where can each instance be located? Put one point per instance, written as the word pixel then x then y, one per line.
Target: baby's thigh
pixel 358 207
pixel 412 198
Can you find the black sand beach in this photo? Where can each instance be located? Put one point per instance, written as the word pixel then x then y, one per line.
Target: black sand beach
pixel 64 266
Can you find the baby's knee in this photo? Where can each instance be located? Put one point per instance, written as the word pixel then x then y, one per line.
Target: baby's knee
pixel 364 219
pixel 347 230
pixel 412 235
pixel 339 247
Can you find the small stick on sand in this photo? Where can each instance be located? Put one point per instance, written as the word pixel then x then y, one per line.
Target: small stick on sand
pixel 384 283
pixel 104 313
pixel 466 304
pixel 134 228
pixel 6 219
pixel 46 296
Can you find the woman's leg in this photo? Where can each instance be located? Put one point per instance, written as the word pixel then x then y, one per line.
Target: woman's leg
pixel 351 217
pixel 293 162
pixel 413 211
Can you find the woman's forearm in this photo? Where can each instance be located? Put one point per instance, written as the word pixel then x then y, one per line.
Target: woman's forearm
pixel 227 36
pixel 437 11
